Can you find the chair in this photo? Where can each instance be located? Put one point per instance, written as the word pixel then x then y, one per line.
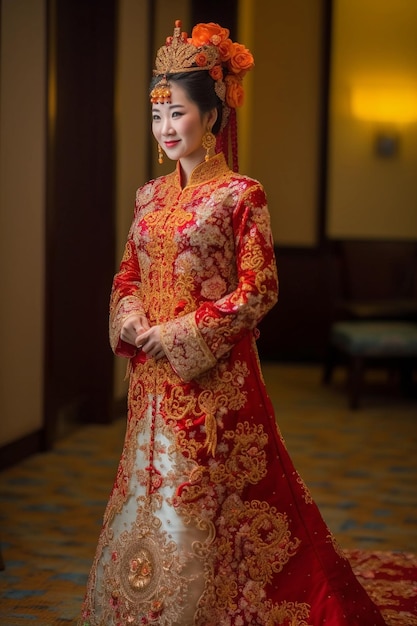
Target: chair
pixel 378 280
pixel 375 323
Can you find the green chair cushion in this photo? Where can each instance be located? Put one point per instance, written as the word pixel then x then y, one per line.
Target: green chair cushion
pixel 367 338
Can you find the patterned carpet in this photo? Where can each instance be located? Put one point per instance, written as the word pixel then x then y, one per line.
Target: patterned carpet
pixel 361 468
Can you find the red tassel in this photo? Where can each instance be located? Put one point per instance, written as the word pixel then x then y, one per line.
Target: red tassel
pixel 233 136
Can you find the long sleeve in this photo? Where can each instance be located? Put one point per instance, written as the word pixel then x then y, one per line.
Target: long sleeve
pixel 196 341
pixel 125 300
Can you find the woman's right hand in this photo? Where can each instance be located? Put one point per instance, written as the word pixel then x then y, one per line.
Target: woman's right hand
pixel 133 327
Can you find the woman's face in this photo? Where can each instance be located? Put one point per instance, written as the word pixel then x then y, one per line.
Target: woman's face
pixel 178 127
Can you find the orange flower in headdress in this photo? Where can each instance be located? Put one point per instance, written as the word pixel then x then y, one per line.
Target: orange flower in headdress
pixel 201 59
pixel 225 48
pixel 208 33
pixel 216 72
pixel 241 59
pixel 234 91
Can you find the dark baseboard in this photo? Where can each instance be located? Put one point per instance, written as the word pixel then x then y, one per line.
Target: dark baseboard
pixel 17 451
pixel 70 419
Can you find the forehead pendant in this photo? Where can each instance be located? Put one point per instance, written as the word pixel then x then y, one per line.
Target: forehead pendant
pixel 161 93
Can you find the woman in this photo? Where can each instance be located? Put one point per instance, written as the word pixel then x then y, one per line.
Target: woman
pixel 208 522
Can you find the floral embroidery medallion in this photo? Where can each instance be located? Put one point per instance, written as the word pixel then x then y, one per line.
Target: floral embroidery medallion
pixel 140 569
pixel 143 578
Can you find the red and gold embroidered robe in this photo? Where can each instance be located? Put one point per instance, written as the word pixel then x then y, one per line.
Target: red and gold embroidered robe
pixel 208 522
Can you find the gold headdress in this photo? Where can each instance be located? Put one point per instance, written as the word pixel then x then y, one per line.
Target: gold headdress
pixel 209 48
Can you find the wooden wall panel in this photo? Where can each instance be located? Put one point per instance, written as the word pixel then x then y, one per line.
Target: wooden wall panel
pixel 80 210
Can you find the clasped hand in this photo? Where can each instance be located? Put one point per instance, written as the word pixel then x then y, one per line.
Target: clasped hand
pixel 137 332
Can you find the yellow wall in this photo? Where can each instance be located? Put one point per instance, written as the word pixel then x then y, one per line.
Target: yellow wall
pixel 374 91
pixel 22 195
pixel 279 123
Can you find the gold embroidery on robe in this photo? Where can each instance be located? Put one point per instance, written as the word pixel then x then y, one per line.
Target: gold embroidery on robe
pixel 208 522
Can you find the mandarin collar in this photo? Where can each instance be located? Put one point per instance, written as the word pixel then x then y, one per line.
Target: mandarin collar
pixel 207 170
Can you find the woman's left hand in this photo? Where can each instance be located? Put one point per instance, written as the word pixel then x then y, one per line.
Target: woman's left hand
pixel 150 342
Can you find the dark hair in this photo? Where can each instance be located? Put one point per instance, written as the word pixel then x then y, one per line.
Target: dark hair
pixel 199 87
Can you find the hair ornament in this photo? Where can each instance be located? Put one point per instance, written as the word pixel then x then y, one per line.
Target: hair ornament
pixel 209 48
pixel 161 93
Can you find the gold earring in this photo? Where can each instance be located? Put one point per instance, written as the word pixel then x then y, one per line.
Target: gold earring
pixel 208 142
pixel 160 155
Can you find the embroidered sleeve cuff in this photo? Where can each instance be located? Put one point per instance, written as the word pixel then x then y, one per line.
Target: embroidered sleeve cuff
pixel 185 348
pixel 118 314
